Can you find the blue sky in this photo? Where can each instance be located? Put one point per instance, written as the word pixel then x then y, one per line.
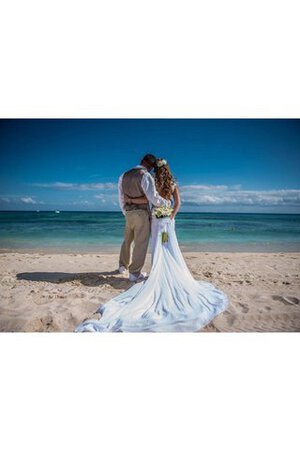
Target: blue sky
pixel 221 165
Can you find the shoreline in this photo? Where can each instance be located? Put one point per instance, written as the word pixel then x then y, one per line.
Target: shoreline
pixel 43 252
pixel 199 248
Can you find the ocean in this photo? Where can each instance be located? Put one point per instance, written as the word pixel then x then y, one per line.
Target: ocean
pixel 103 231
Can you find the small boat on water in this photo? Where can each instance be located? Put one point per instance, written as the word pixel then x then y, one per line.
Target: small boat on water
pixel 57 212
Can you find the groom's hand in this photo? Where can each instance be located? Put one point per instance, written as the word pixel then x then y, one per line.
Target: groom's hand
pixel 127 199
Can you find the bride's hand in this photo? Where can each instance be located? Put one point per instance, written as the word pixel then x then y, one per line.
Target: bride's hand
pixel 172 216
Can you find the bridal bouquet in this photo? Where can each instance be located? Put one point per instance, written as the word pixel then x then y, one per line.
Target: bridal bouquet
pixel 161 212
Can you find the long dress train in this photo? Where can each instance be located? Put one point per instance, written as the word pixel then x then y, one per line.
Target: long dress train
pixel 169 300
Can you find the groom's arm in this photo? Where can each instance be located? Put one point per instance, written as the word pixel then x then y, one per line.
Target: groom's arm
pixel 151 193
pixel 121 194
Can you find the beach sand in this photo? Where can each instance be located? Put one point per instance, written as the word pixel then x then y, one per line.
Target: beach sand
pixel 55 292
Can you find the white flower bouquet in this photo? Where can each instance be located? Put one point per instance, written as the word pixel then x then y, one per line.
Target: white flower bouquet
pixel 161 212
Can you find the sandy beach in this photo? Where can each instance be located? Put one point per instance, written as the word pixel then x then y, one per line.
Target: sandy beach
pixel 55 292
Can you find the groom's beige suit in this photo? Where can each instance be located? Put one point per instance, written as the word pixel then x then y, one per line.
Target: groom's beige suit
pixel 134 183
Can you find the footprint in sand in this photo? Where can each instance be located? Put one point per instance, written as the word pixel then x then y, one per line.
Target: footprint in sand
pixel 292 300
pixel 41 300
pixel 287 300
pixel 207 274
pixel 244 308
pixel 231 320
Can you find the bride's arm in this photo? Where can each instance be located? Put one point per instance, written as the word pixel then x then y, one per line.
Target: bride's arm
pixel 137 201
pixel 177 202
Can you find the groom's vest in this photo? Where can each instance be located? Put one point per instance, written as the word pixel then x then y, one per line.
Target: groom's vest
pixel 131 185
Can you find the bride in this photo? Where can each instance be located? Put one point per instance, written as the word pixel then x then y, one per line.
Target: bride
pixel 170 299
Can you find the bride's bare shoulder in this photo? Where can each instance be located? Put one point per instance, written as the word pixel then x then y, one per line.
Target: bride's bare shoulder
pixel 174 186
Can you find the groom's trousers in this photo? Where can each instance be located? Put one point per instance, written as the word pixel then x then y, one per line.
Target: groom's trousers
pixel 137 230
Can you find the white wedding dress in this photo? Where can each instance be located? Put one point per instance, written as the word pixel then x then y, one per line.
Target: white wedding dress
pixel 170 299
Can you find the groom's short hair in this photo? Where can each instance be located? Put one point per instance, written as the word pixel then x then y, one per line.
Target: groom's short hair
pixel 150 159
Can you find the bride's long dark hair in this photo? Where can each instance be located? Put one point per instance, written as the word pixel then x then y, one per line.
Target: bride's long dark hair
pixel 164 179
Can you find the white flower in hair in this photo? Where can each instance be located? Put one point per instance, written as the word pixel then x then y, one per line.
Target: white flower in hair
pixel 161 162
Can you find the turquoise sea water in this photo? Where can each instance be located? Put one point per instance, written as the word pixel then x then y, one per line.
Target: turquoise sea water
pixel 103 231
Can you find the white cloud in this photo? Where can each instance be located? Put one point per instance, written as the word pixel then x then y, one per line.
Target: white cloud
pixel 107 198
pixel 99 196
pixel 205 187
pixel 83 203
pixel 20 200
pixel 199 195
pixel 77 186
pixel 28 200
pixel 192 195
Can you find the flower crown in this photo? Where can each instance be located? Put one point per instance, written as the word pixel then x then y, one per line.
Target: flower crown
pixel 161 162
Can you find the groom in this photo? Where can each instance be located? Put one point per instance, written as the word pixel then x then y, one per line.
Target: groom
pixel 137 182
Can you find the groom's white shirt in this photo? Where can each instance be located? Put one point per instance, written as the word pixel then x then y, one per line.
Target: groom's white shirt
pixel 148 186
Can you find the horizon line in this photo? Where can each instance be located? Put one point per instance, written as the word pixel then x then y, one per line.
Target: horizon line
pixel 114 211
